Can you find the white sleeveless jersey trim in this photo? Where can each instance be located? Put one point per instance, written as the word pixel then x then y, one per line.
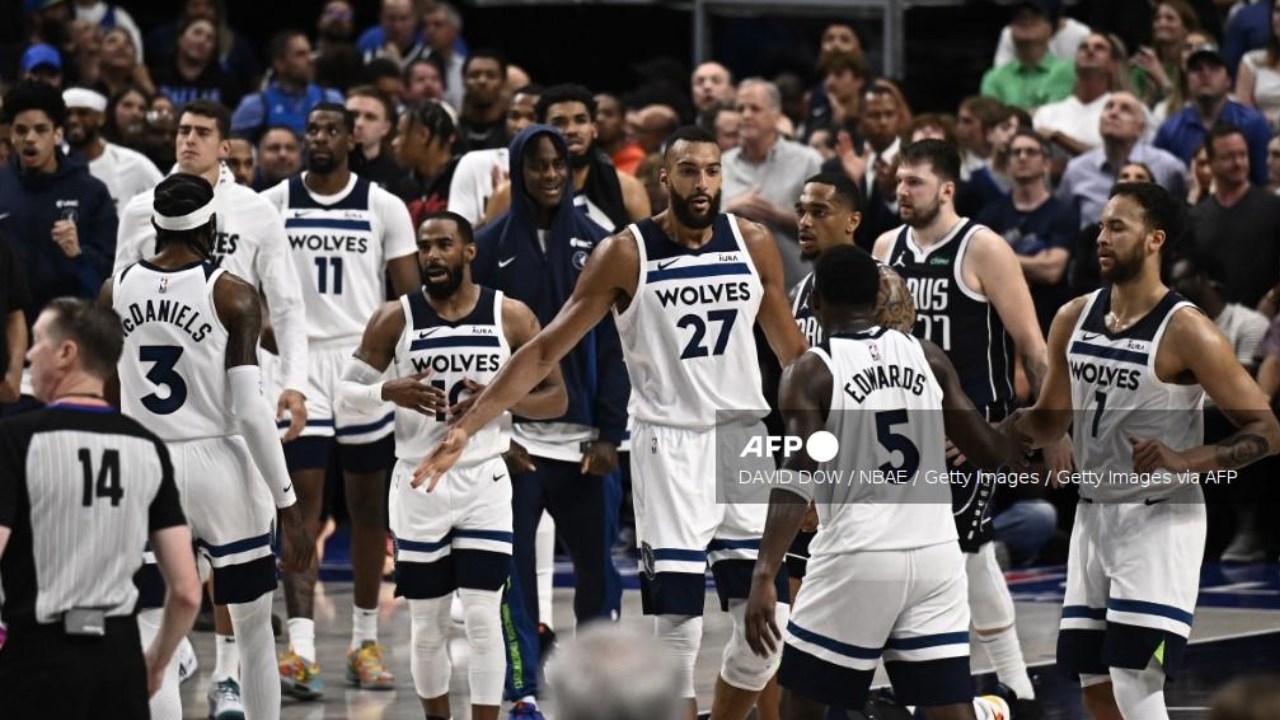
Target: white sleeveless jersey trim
pixel 173 364
pixel 453 352
pixel 834 400
pixel 1155 344
pixel 961 254
pixel 922 254
pixel 625 317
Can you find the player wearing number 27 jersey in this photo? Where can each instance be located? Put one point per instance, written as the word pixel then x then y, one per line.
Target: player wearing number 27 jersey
pixel 685 287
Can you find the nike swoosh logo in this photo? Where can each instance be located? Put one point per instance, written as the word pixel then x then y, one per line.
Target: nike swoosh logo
pixel 288 487
pixel 667 264
pixel 1089 336
pixel 304 213
pixel 427 333
pixel 508 261
pixel 496 478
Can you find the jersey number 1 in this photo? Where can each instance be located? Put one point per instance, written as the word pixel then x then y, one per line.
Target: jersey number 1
pixel 695 348
pixel 108 481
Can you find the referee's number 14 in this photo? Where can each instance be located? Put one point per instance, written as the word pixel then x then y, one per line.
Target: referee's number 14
pixel 107 483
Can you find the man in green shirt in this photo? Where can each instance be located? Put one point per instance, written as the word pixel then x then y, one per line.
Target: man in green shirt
pixel 1035 77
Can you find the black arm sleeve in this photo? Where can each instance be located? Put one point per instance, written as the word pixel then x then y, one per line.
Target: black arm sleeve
pixel 166 510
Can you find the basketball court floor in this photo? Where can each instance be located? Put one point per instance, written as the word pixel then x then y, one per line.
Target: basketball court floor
pixel 1237 631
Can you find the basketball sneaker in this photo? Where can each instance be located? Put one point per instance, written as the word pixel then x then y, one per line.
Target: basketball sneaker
pixel 299 677
pixel 224 701
pixel 187 662
pixel 529 711
pixel 366 670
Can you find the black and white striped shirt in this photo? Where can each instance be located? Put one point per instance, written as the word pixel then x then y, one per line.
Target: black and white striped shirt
pixel 81 489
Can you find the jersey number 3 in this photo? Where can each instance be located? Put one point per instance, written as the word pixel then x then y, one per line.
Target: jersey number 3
pixel 162 373
pixel 695 348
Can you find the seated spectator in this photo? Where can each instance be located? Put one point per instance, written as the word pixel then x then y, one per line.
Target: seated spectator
pixel 385 76
pixel 108 17
pixel 279 156
pixel 725 122
pixel 1087 181
pixel 127 116
pixel 482 120
pixel 1157 72
pixel 845 76
pixel 291 93
pixel 120 65
pixel 1068 33
pixel 192 71
pixel 241 161
pixel 1208 84
pixel 1258 76
pixel 935 126
pixel 1201 278
pixel 1250 27
pixel 611 134
pixel 839 38
pixel 795 101
pixel 42 63
pixel 1239 223
pixel 233 52
pixel 1034 77
pixel 423 79
pixel 885 115
pixel 1023 524
pixel 398 34
pixel 1040 228
pixel 338 62
pixel 443 33
pixel 1200 179
pixel 977 115
pixel 824 141
pixel 1083 274
pixel 375 118
pixel 711 83
pixel 1072 123
pixel 85 51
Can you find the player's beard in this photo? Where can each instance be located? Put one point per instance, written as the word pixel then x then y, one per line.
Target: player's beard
pixel 923 216
pixel 577 162
pixel 687 217
pixel 1124 268
pixel 442 290
pixel 322 165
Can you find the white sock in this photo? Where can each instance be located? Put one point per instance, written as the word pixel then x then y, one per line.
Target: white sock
pixel 428 641
pixel 364 625
pixel 259 673
pixel 545 554
pixel 166 704
pixel 227 665
pixel 529 700
pixel 1006 655
pixel 302 636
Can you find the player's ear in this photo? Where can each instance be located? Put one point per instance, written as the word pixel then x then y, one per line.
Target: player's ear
pixel 855 219
pixel 1156 240
pixel 469 252
pixel 662 177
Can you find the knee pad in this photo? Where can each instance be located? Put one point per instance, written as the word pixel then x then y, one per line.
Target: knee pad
pixel 681 635
pixel 740 666
pixel 482 610
pixel 429 655
pixel 1140 693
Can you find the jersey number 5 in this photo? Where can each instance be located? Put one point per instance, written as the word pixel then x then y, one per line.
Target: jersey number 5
pixel 899 443
pixel 695 348
pixel 162 373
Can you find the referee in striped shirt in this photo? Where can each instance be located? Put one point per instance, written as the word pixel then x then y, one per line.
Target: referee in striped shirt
pixel 82 488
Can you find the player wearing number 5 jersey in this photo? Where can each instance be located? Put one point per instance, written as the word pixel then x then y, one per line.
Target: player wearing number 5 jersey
pixel 345 235
pixel 444 342
pixel 1130 364
pixel 189 372
pixel 686 288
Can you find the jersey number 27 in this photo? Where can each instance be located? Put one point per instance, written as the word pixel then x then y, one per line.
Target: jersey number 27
pixel 696 346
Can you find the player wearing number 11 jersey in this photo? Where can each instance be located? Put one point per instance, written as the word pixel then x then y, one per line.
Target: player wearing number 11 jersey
pixel 345 235
pixel 686 288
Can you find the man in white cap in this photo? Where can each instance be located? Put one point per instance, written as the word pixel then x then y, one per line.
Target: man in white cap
pixel 125 172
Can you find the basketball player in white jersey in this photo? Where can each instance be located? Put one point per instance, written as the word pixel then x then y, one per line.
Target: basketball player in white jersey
pixel 686 287
pixel 886 578
pixel 971 300
pixel 189 372
pixel 250 243
pixel 345 235
pixel 447 340
pixel 1131 364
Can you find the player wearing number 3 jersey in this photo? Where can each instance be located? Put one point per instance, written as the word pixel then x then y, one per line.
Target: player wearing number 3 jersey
pixel 444 342
pixel 189 372
pixel 686 287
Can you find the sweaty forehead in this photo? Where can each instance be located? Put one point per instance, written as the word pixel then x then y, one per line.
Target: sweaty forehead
pixel 699 153
pixel 438 229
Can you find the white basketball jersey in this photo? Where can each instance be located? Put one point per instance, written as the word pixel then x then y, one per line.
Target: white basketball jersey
pixel 340 250
pixel 886 413
pixel 173 367
pixel 1116 396
pixel 472 348
pixel 688 334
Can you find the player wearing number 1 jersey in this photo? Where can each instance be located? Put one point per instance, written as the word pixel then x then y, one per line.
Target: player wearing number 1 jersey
pixel 686 287
pixel 444 342
pixel 345 235
pixel 972 301
pixel 189 372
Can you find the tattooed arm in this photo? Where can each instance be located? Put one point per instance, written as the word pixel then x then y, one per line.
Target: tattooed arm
pixel 895 308
pixel 994 265
pixel 1193 344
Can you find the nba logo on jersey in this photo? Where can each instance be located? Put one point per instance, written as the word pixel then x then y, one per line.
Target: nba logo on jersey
pixel 164 284
pixel 874 349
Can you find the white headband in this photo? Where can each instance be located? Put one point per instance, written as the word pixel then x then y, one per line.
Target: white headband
pixel 194 219
pixel 84 98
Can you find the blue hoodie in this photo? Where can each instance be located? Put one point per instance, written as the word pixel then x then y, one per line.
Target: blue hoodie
pixel 31 202
pixel 509 258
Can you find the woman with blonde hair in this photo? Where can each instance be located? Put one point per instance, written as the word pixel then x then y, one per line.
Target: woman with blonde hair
pixel 1158 70
pixel 1258 79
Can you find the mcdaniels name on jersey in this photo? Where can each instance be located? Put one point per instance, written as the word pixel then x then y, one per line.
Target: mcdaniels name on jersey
pixel 166 311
